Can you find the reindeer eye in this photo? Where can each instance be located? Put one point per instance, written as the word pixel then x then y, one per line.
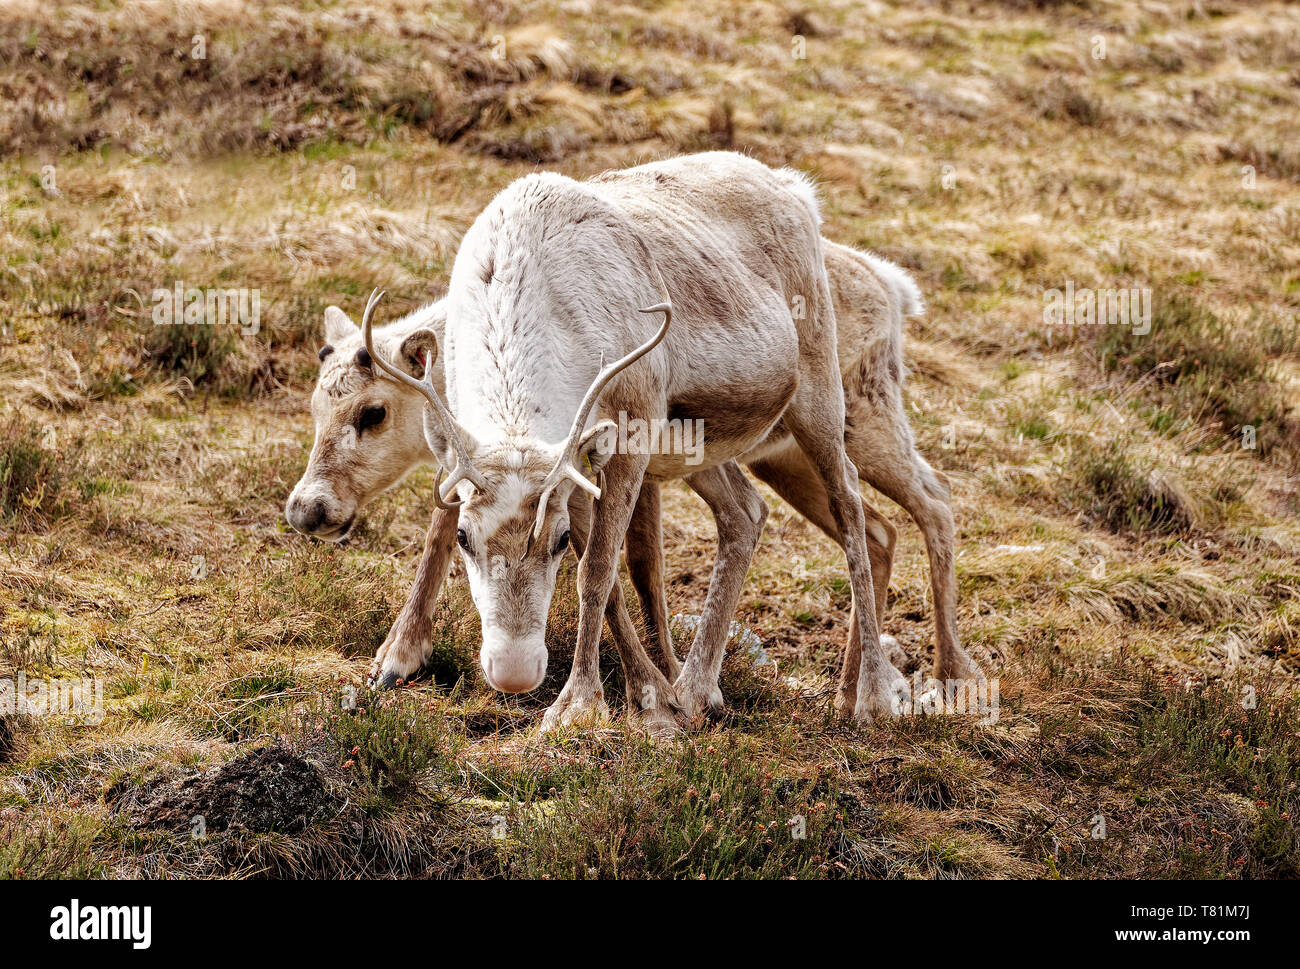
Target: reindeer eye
pixel 562 544
pixel 462 539
pixel 372 417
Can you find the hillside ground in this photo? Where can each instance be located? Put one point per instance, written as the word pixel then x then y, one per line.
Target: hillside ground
pixel 1126 503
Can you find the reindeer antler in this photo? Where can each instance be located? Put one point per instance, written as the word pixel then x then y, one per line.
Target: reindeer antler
pixel 464 468
pixel 565 466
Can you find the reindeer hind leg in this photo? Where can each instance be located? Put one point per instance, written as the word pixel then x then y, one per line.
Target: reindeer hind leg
pixel 645 564
pixel 880 441
pixel 791 475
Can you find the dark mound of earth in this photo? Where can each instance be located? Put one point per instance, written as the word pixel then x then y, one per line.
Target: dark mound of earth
pixel 268 789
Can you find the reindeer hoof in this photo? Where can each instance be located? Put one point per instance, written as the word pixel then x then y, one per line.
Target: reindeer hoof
pixel 699 699
pixel 886 695
pixel 711 707
pixel 654 710
pixel 388 681
pixel 846 701
pixel 575 708
pixel 657 724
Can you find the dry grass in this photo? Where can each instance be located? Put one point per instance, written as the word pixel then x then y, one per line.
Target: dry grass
pixel 1128 570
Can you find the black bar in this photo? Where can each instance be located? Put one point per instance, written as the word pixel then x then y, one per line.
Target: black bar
pixel 333 919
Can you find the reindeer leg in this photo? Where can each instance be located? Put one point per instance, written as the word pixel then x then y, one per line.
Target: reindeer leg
pixel 791 476
pixel 925 494
pixel 739 512
pixel 650 696
pixel 879 441
pixel 583 696
pixel 409 640
pixel 815 417
pixel 645 563
pixel 881 688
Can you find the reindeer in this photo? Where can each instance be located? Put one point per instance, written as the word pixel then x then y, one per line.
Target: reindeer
pixel 349 466
pixel 548 277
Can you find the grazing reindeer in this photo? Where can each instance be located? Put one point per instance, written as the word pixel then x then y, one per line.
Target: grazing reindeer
pixel 349 466
pixel 550 276
pixel 369 435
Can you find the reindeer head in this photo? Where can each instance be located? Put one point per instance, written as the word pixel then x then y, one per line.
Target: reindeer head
pixel 369 432
pixel 512 497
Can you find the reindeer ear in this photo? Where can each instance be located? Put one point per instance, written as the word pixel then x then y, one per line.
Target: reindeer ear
pixel 597 447
pixel 337 325
pixel 417 352
pixel 440 444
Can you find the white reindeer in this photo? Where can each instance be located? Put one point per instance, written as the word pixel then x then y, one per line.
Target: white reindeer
pixel 349 466
pixel 547 278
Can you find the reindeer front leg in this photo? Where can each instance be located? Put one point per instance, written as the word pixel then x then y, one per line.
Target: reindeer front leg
pixel 583 696
pixel 651 700
pixel 739 512
pixel 411 637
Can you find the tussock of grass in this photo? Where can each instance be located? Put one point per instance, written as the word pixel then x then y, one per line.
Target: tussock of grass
pixel 30 478
pixel 391 740
pixel 196 353
pixel 12 730
pixel 941 782
pixel 1128 492
pixel 906 842
pixel 53 847
pixel 318 595
pixel 1059 99
pixel 42 475
pixel 1140 594
pixel 1209 368
pixel 1279 633
pixel 704 809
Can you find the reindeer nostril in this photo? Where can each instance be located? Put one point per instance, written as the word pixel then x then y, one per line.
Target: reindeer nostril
pixel 315 515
